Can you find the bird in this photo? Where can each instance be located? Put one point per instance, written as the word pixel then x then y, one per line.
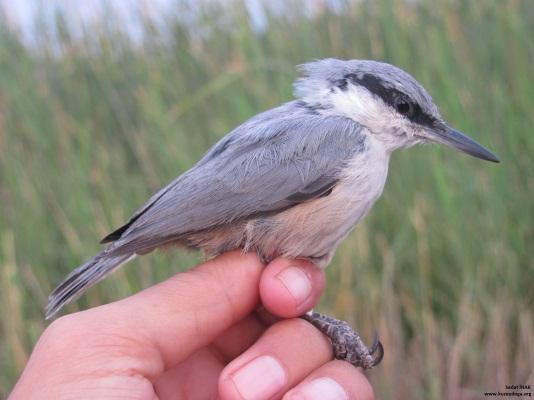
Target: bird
pixel 291 181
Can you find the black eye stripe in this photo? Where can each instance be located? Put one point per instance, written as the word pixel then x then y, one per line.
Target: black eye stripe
pixel 388 95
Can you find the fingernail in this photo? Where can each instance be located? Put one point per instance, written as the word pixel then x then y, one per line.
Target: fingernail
pixel 320 389
pixel 297 283
pixel 260 379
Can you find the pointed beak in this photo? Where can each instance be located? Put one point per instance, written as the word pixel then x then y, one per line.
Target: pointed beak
pixel 452 138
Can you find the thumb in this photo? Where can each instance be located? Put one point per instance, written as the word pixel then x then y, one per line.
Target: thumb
pixel 189 310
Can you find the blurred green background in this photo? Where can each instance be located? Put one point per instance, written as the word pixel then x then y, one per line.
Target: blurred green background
pixel 93 120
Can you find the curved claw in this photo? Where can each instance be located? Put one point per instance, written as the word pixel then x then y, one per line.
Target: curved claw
pixel 375 344
pixel 377 352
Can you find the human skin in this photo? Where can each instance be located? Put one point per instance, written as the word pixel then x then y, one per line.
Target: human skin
pixel 197 336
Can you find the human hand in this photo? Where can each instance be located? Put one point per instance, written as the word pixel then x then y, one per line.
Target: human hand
pixel 196 336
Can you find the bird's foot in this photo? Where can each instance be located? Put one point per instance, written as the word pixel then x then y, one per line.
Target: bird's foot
pixel 346 342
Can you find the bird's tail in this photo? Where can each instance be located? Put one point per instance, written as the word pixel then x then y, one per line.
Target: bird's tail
pixel 82 278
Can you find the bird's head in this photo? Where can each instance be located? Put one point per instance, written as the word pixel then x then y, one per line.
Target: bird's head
pixel 388 101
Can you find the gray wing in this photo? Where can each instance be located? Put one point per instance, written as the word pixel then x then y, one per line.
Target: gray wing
pixel 274 161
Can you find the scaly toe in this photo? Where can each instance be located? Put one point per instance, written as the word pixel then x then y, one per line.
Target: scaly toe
pixel 346 342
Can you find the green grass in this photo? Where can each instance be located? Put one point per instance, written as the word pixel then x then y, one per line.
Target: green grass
pixel 443 267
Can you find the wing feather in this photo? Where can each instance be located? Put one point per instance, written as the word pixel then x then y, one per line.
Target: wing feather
pixel 280 158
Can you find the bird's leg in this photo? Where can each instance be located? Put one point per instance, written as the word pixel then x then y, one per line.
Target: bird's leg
pixel 346 342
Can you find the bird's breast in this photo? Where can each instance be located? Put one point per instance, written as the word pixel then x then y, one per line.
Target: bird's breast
pixel 315 228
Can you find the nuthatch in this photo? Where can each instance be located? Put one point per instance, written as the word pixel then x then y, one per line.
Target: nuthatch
pixel 292 181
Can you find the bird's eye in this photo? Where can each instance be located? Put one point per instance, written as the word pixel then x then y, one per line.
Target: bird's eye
pixel 404 107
